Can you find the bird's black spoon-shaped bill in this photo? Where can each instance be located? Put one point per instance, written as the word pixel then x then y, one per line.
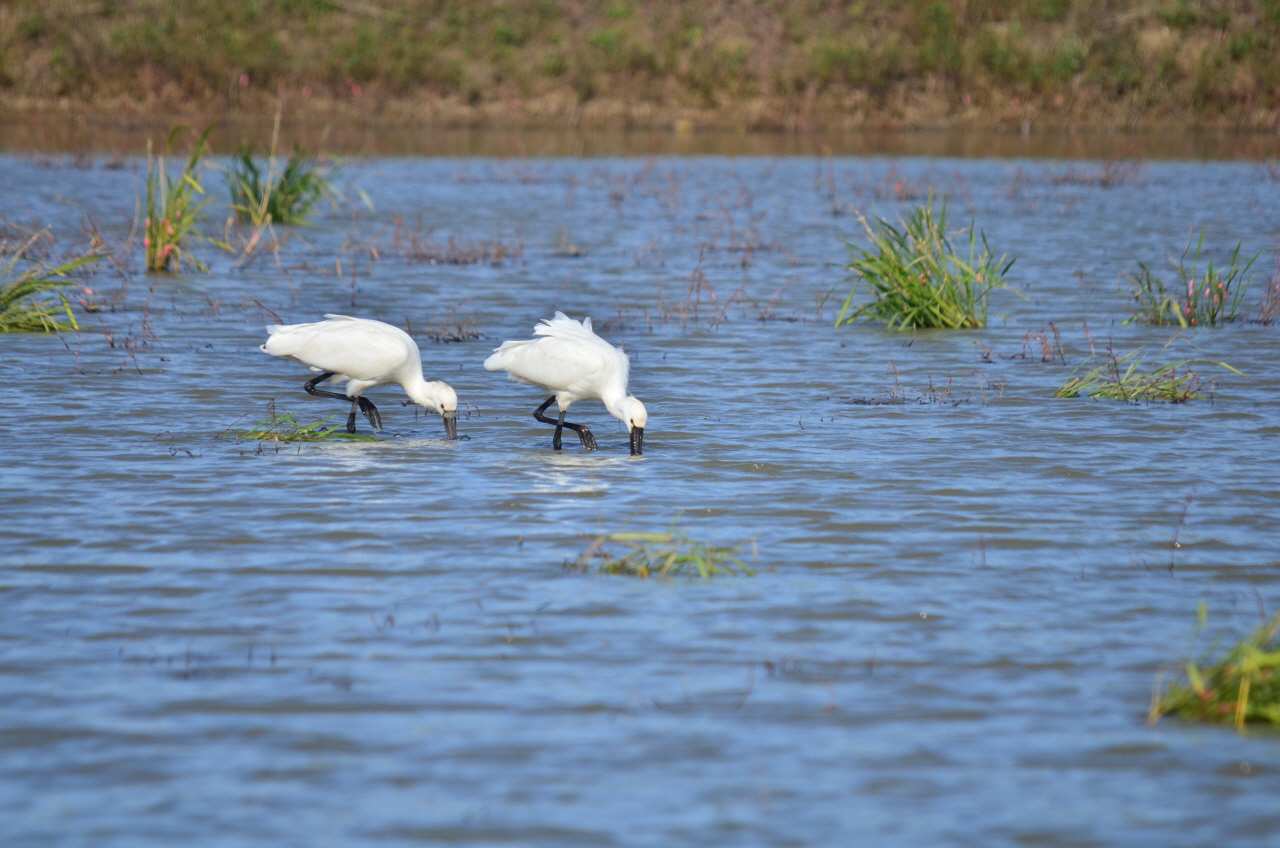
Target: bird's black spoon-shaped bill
pixel 637 441
pixel 450 424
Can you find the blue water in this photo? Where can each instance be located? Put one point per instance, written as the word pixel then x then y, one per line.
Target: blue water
pixel 960 608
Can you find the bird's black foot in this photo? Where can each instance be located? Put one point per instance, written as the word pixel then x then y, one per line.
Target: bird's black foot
pixel 588 440
pixel 371 412
pixel 351 422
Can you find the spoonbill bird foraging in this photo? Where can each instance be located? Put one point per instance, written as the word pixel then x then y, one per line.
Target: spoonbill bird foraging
pixel 363 354
pixel 576 364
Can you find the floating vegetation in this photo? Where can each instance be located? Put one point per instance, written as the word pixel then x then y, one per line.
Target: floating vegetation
pixel 449 329
pixel 1049 342
pixel 660 555
pixel 286 197
pixel 1194 299
pixel 30 301
pixel 1114 171
pixel 1128 378
pixel 281 427
pixel 566 248
pixel 173 208
pixel 1049 348
pixel 1242 685
pixel 416 246
pixel 951 393
pixel 917 278
pixel 1269 309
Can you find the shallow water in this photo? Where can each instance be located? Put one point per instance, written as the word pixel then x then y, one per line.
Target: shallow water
pixel 961 607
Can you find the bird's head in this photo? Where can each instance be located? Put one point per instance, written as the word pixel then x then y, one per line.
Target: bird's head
pixel 632 413
pixel 443 399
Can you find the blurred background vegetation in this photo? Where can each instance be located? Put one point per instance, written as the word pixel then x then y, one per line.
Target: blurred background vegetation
pixel 740 64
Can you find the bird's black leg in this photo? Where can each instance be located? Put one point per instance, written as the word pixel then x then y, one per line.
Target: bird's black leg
pixel 540 415
pixel 356 403
pixel 312 390
pixel 371 412
pixel 555 440
pixel 584 435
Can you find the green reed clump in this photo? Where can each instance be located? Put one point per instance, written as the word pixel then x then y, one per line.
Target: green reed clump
pixel 1128 378
pixel 174 208
pixel 1192 298
pixel 30 301
pixel 266 197
pixel 918 279
pixel 281 427
pixel 1240 686
pixel 660 555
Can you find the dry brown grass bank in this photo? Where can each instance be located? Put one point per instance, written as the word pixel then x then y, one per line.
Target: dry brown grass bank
pixel 762 65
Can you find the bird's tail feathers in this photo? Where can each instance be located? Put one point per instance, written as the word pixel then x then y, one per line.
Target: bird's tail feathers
pixel 564 326
pixel 500 359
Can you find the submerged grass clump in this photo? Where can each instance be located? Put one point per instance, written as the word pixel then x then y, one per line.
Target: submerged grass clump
pixel 281 427
pixel 660 555
pixel 267 197
pixel 1128 378
pixel 918 279
pixel 174 208
pixel 30 301
pixel 1240 686
pixel 1192 298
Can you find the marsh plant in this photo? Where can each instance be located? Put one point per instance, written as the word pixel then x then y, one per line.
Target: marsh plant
pixel 262 195
pixel 659 555
pixel 1240 686
pixel 281 427
pixel 1192 297
pixel 31 300
pixel 1130 378
pixel 174 208
pixel 918 279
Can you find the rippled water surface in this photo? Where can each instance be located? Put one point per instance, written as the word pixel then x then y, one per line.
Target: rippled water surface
pixel 961 606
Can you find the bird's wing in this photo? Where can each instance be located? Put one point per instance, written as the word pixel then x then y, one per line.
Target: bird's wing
pixel 359 348
pixel 567 357
pixel 554 364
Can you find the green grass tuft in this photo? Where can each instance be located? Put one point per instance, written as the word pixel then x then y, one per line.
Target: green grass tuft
pixel 281 427
pixel 174 208
pixel 918 279
pixel 25 305
pixel 1127 378
pixel 660 555
pixel 1240 686
pixel 1194 299
pixel 286 197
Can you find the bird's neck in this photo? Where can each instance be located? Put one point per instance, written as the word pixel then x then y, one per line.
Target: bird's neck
pixel 417 388
pixel 420 391
pixel 613 402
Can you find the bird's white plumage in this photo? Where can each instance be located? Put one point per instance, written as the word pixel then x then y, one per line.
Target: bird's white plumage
pixel 362 353
pixel 566 358
pixel 355 349
pixel 570 360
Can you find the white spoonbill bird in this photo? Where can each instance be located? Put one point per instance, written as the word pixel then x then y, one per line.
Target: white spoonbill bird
pixel 576 364
pixel 363 354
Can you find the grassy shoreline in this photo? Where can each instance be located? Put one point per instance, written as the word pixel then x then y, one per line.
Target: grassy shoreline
pixel 813 66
